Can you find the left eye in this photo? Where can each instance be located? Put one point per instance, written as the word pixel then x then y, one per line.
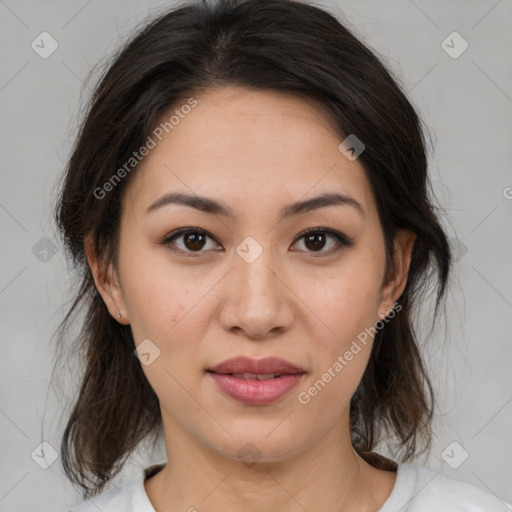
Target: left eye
pixel 194 240
pixel 315 240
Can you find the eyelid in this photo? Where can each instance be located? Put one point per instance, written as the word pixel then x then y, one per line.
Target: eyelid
pixel 344 239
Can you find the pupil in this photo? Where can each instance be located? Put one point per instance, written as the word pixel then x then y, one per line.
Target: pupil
pixel 193 241
pixel 317 239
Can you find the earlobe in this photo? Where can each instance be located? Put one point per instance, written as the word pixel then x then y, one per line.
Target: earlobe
pixel 106 283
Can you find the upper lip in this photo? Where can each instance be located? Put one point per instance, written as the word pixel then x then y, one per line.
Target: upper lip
pixel 265 365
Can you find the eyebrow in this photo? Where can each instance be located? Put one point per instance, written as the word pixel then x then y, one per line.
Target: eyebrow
pixel 208 205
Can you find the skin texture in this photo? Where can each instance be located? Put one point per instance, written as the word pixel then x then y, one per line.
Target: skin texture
pixel 255 151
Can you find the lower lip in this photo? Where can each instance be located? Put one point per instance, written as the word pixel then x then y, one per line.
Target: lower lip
pixel 256 392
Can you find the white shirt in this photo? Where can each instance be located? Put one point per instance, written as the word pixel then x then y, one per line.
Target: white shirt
pixel 416 489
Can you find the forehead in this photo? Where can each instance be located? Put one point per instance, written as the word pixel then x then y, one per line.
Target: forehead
pixel 250 147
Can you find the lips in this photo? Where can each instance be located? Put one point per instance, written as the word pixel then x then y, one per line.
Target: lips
pixel 265 366
pixel 256 381
pixel 258 376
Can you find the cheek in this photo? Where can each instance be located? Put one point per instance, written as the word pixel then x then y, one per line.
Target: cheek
pixel 169 306
pixel 347 304
pixel 155 297
pixel 158 312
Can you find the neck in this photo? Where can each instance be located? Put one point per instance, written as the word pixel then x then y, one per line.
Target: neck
pixel 327 475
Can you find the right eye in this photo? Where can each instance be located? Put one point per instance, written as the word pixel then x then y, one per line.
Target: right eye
pixel 193 240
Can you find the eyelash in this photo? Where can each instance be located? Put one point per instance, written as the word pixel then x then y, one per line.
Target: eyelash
pixel 343 240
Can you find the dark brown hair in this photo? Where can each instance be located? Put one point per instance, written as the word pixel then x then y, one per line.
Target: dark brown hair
pixel 280 45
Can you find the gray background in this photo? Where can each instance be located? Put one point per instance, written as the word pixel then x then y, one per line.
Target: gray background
pixel 466 102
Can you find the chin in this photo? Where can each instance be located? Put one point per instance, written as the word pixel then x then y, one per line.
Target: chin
pixel 261 442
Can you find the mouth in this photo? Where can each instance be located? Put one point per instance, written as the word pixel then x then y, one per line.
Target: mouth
pixel 253 376
pixel 256 381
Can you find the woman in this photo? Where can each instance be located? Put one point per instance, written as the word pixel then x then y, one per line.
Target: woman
pixel 248 202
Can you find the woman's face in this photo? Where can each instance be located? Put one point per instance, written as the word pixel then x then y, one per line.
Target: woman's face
pixel 252 282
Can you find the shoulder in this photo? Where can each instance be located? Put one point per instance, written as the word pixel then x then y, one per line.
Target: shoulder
pixel 129 497
pixel 418 489
pixel 114 500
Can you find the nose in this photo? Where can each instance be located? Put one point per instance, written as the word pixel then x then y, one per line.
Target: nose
pixel 257 298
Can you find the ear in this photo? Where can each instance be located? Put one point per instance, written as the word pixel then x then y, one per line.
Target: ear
pixel 397 278
pixel 107 283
